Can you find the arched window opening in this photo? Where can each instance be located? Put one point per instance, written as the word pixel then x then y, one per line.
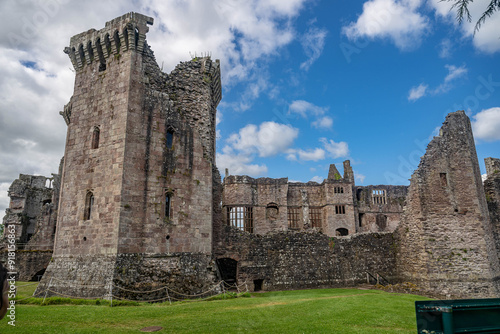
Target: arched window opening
pixel 90 51
pixel 116 38
pixel 102 61
pixel 272 211
pixel 107 44
pixel 89 205
pixel 170 138
pixel 81 53
pixel 95 137
pixel 136 37
pixel 125 35
pixel 341 232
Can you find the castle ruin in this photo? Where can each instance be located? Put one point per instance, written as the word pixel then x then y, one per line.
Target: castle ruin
pixel 141 203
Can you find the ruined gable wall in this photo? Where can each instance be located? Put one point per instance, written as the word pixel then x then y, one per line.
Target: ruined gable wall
pixel 445 238
pixel 379 217
pixel 297 260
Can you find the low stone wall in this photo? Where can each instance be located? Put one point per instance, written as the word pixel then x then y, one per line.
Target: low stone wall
pixel 28 264
pixel 298 260
pixel 184 274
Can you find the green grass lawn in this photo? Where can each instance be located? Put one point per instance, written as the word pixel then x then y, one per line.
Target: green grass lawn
pixel 302 311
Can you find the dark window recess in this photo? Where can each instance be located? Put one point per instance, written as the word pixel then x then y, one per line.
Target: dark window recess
pixel 170 139
pixel 95 138
pixel 227 269
pixel 444 180
pixel 340 209
pixel 361 219
pixel 257 284
pixel 89 203
pixel 381 221
pixel 341 232
pixel 338 190
pixel 168 205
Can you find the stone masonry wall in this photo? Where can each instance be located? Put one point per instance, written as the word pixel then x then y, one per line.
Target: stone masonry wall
pixel 445 239
pixel 298 260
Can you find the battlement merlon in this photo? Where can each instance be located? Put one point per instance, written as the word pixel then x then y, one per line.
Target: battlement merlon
pixel 127 32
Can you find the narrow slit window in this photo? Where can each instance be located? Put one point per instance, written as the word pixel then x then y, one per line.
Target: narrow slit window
pixel 170 139
pixel 89 206
pixel 95 137
pixel 168 205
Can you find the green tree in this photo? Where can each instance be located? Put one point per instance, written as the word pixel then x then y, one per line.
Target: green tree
pixel 462 7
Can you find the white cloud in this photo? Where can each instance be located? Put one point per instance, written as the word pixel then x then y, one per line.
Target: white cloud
pixel 323 123
pixel 335 150
pixel 454 73
pixel 313 43
pixel 306 155
pixel 396 20
pixel 316 178
pixel 359 177
pixel 4 199
pixel 239 164
pixel 417 92
pixel 268 139
pixel 486 124
pixel 303 108
pixel 486 39
pixel 445 48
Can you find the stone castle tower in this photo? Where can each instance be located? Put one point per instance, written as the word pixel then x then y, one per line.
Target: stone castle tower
pixel 137 188
pixel 446 240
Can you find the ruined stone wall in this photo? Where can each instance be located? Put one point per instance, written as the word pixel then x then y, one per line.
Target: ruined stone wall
pixel 376 215
pixel 28 195
pixel 492 166
pixel 492 191
pixel 298 260
pixel 29 265
pixel 445 239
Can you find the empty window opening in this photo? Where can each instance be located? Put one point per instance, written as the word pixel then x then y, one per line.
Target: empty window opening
pixel 48 184
pixel 89 203
pixel 95 137
pixel 90 51
pixel 257 284
pixel 116 38
pixel 444 180
pixel 81 53
pixel 168 205
pixel 102 61
pixel 107 44
pixel 170 139
pixel 315 216
pixel 294 218
pixel 29 236
pixel 378 196
pixel 240 217
pixel 227 269
pixel 125 35
pixel 136 37
pixel 340 209
pixel 341 232
pixel 338 190
pixel 361 219
pixel 272 211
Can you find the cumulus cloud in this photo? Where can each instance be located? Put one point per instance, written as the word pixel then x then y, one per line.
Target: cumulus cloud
pixel 396 20
pixel 268 139
pixel 316 178
pixel 323 123
pixel 239 164
pixel 486 39
pixel 486 124
pixel 335 150
pixel 313 43
pixel 306 109
pixel 359 177
pixel 306 155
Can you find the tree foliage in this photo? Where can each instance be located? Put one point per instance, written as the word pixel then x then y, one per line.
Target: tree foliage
pixel 462 7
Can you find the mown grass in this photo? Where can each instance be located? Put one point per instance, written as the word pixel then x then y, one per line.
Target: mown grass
pixel 301 311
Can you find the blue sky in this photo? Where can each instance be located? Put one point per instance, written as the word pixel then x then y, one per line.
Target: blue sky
pixel 305 83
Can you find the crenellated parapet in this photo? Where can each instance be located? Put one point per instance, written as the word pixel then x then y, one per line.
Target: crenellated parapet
pixel 66 113
pixel 124 33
